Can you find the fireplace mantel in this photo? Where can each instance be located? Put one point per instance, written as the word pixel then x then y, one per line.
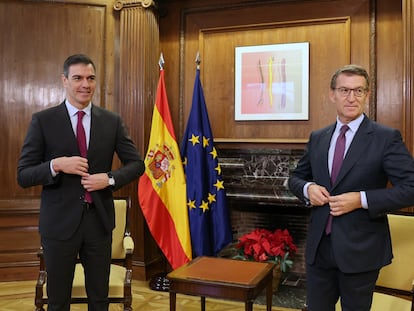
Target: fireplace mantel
pixel 259 176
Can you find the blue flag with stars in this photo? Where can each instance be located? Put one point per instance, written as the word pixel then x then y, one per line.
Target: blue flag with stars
pixel 209 219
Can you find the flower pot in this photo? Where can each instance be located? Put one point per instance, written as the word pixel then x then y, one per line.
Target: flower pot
pixel 277 278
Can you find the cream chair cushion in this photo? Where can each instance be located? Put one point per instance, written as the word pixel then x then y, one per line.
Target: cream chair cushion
pixel 384 302
pixel 400 273
pixel 119 246
pixel 116 282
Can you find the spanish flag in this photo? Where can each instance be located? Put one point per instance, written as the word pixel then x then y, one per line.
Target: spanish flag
pixel 162 188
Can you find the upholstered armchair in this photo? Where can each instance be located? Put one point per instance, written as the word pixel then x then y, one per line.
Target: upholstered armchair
pixel 394 287
pixel 121 268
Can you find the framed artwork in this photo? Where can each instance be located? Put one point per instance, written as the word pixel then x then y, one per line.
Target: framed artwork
pixel 272 82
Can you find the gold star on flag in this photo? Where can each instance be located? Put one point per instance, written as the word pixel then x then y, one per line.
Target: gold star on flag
pixel 219 184
pixel 185 161
pixel 218 169
pixel 206 141
pixel 214 153
pixel 191 204
pixel 211 198
pixel 194 139
pixel 204 206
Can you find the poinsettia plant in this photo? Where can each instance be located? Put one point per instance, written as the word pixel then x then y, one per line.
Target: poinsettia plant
pixel 265 245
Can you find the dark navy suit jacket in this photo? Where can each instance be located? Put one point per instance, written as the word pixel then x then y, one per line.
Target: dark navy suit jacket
pixel 50 135
pixel 376 157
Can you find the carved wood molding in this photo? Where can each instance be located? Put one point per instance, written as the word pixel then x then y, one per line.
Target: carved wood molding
pixel 408 83
pixel 121 4
pixel 138 76
pixel 262 140
pixel 373 59
pixel 19 206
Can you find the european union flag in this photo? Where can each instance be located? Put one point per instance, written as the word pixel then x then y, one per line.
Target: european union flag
pixel 209 219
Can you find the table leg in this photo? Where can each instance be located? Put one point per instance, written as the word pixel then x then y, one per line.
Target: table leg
pixel 172 301
pixel 269 296
pixel 248 306
pixel 203 303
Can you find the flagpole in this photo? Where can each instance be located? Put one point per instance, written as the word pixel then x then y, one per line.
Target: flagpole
pixel 159 281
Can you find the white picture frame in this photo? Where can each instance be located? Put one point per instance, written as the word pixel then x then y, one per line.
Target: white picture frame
pixel 272 82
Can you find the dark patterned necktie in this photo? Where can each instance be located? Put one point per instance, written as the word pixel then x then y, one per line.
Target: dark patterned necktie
pixel 336 165
pixel 81 138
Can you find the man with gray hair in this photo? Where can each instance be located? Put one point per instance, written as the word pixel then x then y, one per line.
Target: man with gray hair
pixel 343 178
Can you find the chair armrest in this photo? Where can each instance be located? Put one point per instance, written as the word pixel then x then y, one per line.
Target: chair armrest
pixel 412 296
pixel 42 264
pixel 128 244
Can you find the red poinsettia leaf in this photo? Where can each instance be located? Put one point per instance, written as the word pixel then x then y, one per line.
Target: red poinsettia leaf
pixel 263 257
pixel 265 245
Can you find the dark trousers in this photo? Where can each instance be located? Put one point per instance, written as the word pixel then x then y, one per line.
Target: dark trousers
pixel 93 244
pixel 325 283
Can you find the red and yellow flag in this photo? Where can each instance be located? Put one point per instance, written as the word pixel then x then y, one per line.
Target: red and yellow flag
pixel 162 188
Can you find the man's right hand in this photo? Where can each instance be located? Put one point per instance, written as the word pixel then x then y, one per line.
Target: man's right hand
pixel 71 165
pixel 318 195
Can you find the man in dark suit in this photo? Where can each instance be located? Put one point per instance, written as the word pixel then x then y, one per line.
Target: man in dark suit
pixel 77 210
pixel 348 239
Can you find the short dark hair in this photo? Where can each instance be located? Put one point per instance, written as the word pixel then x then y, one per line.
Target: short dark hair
pixel 350 70
pixel 76 59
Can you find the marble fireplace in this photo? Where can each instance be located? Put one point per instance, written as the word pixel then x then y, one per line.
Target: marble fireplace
pixel 258 196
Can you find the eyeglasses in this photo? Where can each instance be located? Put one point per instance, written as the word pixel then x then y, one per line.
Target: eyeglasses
pixel 358 92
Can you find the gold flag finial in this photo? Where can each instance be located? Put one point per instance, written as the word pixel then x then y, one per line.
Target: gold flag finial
pixel 198 60
pixel 161 62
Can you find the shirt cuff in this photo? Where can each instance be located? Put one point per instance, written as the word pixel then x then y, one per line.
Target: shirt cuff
pixel 52 171
pixel 364 201
pixel 305 189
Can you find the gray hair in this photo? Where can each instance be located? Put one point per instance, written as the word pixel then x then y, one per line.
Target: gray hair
pixel 350 70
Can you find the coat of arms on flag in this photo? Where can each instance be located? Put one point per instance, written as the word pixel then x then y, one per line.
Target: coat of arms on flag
pixel 160 163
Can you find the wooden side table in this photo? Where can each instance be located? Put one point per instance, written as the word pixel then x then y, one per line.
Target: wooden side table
pixel 222 278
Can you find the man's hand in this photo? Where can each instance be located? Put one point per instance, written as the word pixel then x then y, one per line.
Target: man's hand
pixel 344 203
pixel 318 195
pixel 95 181
pixel 71 165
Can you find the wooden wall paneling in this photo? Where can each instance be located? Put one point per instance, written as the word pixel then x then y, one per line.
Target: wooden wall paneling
pixel 39 37
pixel 407 110
pixel 19 239
pixel 138 76
pixel 218 75
pixel 408 72
pixel 390 67
pixel 216 33
pixel 32 64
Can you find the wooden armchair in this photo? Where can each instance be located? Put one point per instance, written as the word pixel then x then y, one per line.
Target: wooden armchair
pixel 394 287
pixel 121 268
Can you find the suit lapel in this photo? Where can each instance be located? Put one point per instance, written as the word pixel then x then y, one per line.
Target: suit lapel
pixel 356 149
pixel 324 147
pixel 65 127
pixel 94 136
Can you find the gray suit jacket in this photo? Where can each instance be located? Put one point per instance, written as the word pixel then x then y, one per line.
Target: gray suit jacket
pixel 50 135
pixel 377 156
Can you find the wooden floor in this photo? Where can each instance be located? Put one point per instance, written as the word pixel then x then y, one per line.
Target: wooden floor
pixel 19 296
